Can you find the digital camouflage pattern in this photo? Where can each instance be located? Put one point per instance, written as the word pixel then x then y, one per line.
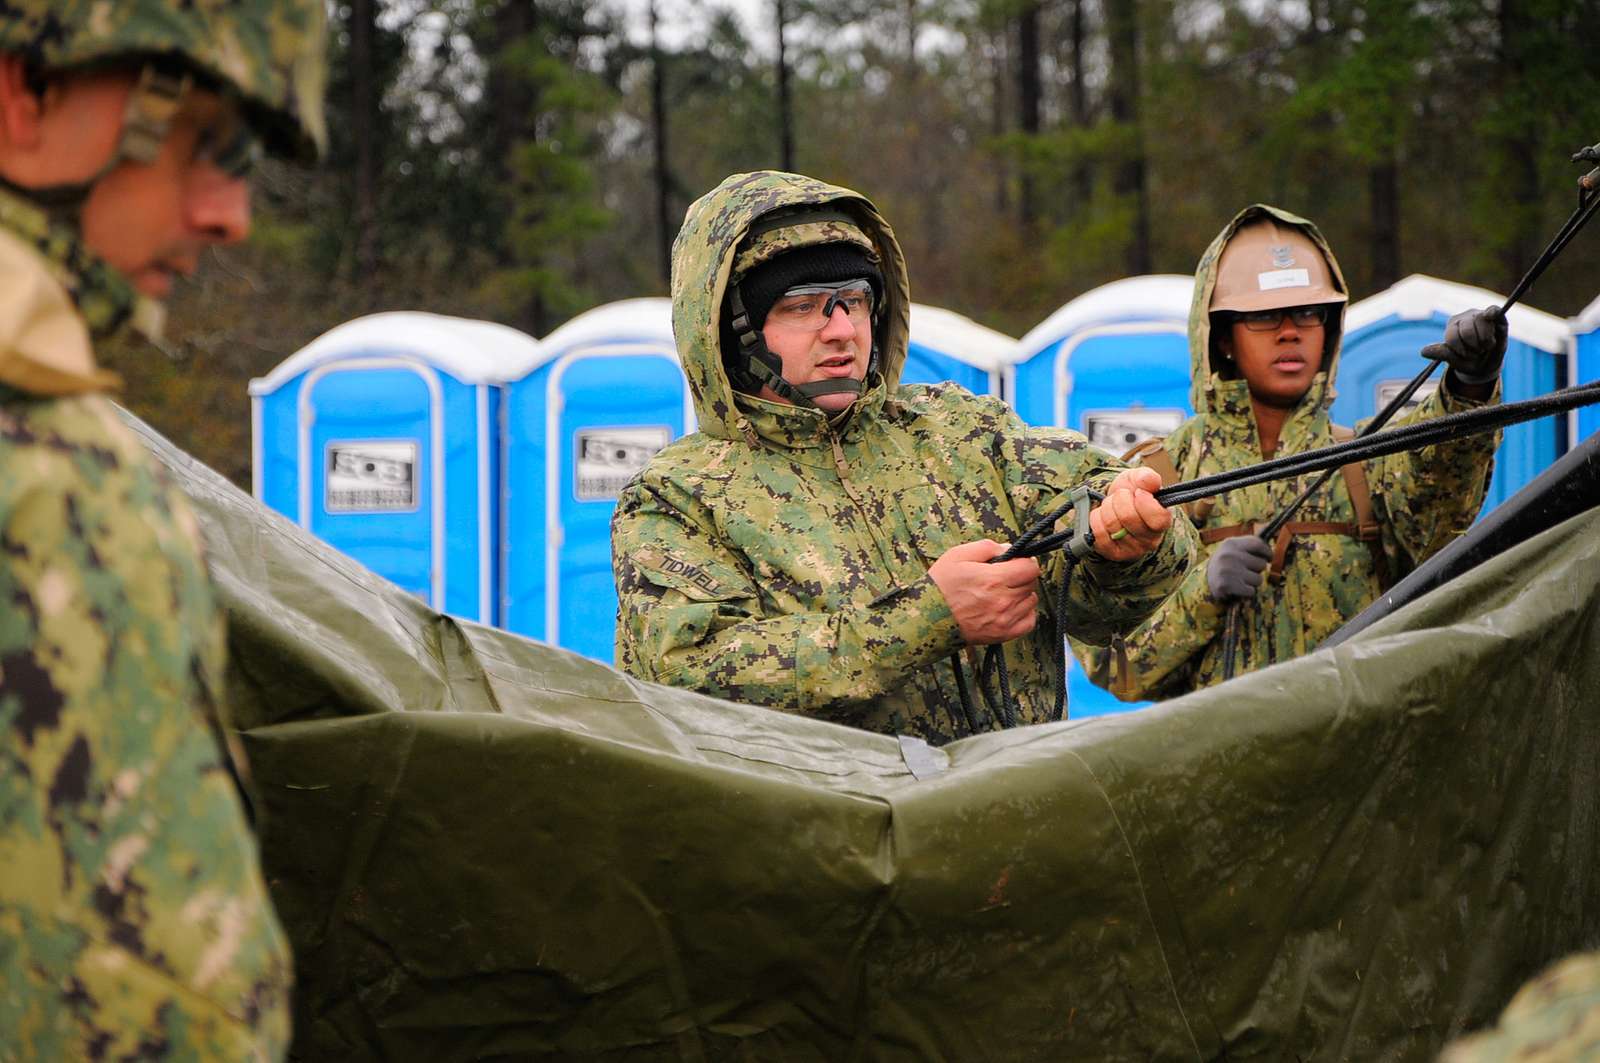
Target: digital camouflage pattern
pixel 769 245
pixel 272 52
pixel 780 558
pixel 1553 1019
pixel 1422 500
pixel 103 298
pixel 134 922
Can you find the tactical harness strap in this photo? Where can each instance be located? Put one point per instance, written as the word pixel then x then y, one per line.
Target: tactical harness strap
pixel 146 120
pixel 1152 454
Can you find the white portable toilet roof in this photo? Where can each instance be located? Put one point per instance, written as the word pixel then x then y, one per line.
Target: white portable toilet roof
pixel 1155 297
pixel 1588 318
pixel 1418 297
pixel 960 337
pixel 474 352
pixel 647 320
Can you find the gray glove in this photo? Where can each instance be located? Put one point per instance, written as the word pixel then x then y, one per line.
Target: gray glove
pixel 1235 568
pixel 1474 345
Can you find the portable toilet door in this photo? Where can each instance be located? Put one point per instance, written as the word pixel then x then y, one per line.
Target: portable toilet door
pixel 1112 363
pixel 946 346
pixel 605 394
pixel 1584 363
pixel 1385 333
pixel 378 437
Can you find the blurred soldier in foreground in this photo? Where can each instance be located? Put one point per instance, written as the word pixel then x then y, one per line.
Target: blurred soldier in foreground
pixel 1555 1018
pixel 1264 334
pixel 133 917
pixel 820 545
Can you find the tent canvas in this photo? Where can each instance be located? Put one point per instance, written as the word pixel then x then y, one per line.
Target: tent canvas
pixel 485 847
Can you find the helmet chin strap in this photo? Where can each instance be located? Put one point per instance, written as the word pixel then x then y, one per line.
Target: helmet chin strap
pixel 146 120
pixel 766 368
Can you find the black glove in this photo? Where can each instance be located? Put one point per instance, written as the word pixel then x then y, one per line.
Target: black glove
pixel 1235 568
pixel 1474 345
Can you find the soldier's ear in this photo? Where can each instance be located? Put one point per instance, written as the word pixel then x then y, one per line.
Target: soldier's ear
pixel 21 104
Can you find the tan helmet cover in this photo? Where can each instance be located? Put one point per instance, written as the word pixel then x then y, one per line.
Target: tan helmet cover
pixel 1268 265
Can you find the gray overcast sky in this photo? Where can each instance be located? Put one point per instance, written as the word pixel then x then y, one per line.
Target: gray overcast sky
pixel 680 18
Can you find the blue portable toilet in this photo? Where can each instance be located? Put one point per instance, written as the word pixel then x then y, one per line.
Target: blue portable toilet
pixel 1112 363
pixel 1384 334
pixel 604 394
pixel 946 346
pixel 378 437
pixel 1584 363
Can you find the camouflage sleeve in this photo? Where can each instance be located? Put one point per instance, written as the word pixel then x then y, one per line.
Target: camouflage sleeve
pixel 1163 651
pixel 689 615
pixel 133 918
pixel 1106 598
pixel 1427 498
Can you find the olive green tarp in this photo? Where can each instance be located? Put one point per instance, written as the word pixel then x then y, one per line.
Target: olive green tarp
pixel 487 848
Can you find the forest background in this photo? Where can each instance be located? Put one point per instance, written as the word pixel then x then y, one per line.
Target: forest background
pixel 523 161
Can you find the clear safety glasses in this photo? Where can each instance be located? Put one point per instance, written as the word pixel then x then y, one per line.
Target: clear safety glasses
pixel 809 307
pixel 1270 320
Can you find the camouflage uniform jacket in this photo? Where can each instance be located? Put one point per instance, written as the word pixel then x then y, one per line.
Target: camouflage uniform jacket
pixel 780 557
pixel 1421 499
pixel 133 917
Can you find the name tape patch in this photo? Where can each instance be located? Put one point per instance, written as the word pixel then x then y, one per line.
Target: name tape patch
pixel 686 572
pixel 1274 279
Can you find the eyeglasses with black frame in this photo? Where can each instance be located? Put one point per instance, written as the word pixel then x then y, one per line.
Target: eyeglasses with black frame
pixel 1270 320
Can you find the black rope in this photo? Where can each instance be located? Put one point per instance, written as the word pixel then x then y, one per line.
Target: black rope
pixel 965 695
pixel 994 677
pixel 1060 712
pixel 1444 429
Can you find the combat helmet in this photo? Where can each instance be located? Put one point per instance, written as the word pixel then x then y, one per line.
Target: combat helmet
pixel 805 243
pixel 268 54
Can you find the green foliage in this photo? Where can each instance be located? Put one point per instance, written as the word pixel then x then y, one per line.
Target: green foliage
pixel 515 174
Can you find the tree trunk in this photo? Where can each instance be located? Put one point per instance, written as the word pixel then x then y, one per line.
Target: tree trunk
pixel 1002 171
pixel 1383 212
pixel 1129 181
pixel 1028 96
pixel 658 122
pixel 512 107
pixel 1078 93
pixel 785 118
pixel 364 111
pixel 1521 150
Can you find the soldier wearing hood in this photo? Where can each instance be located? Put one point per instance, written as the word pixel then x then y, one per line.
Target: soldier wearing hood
pixel 1264 334
pixel 134 919
pixel 821 544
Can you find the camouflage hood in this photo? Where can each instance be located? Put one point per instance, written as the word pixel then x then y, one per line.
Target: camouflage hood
pixel 1209 391
pixel 702 265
